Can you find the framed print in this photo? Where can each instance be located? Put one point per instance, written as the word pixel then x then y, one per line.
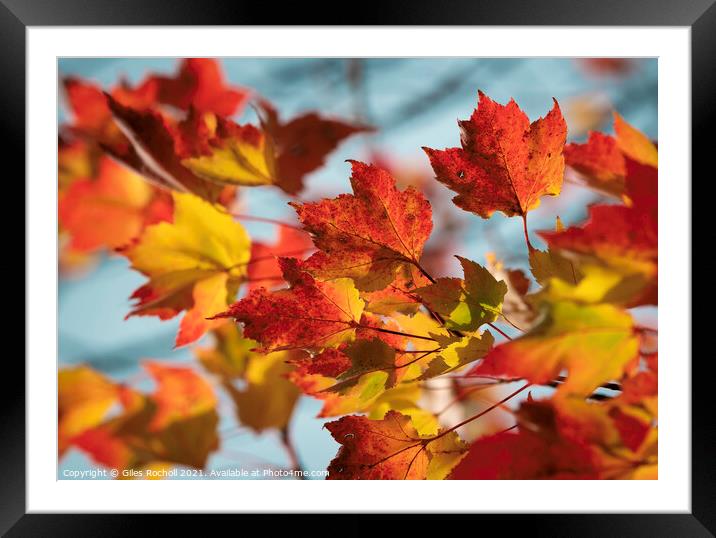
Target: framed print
pixel 269 272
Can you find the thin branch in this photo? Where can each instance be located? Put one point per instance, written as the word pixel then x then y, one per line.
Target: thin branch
pixel 292 455
pixel 500 331
pixel 254 218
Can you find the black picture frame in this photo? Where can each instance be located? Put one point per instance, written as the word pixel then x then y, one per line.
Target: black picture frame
pixel 699 15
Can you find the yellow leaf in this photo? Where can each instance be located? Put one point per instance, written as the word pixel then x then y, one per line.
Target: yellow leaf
pixel 269 398
pixel 238 159
pixel 84 398
pixel 194 263
pixel 594 343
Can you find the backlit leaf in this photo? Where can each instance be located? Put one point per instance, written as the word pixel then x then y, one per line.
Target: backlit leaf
pixel 505 163
pixel 186 271
pixel 466 304
pixel 390 449
pixel 310 314
pixel 594 343
pixel 369 235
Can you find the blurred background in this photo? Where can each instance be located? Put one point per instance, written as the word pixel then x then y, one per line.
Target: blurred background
pixel 412 102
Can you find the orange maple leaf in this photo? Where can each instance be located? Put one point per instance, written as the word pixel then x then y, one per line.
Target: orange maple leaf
pixel 505 163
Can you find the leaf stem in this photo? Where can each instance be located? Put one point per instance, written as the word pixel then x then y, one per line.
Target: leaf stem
pixel 510 322
pixel 527 234
pixel 389 331
pixel 420 268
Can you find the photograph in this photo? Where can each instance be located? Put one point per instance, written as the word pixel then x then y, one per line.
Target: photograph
pixel 360 268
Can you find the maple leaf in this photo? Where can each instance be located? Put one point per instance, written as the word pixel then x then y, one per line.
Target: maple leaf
pixel 92 115
pixel 152 151
pixel 564 438
pixel 302 144
pixel 505 163
pixel 200 84
pixel 622 238
pixel 550 263
pixel 602 160
pixel 176 424
pixel 366 357
pixel 598 284
pixel 594 343
pixel 111 209
pixel 318 377
pixel 390 449
pixel 599 161
pixel 310 314
pixel 547 264
pixel 222 151
pixel 277 154
pixel 466 304
pixel 635 144
pixel 456 352
pixel 399 295
pixel 84 398
pixel 369 235
pixel 268 399
pixel 525 456
pixel 187 272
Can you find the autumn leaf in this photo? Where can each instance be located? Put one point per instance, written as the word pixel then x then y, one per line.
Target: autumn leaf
pixel 371 374
pixel 176 424
pixel 504 162
pixel 222 151
pixel 180 393
pixel 602 160
pixel 399 295
pixel 200 84
pixel 550 263
pixel 594 343
pixel 185 270
pixel 84 398
pixel 92 117
pixel 76 159
pixel 525 456
pixel 622 238
pixel 466 304
pixel 366 357
pixel 635 144
pixel 317 377
pixel 598 284
pixel 390 449
pixel 276 154
pixel 302 144
pixel 268 399
pixel 565 438
pixel 153 151
pixel 456 352
pixel 111 209
pixel 310 314
pixel 599 161
pixel 370 235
